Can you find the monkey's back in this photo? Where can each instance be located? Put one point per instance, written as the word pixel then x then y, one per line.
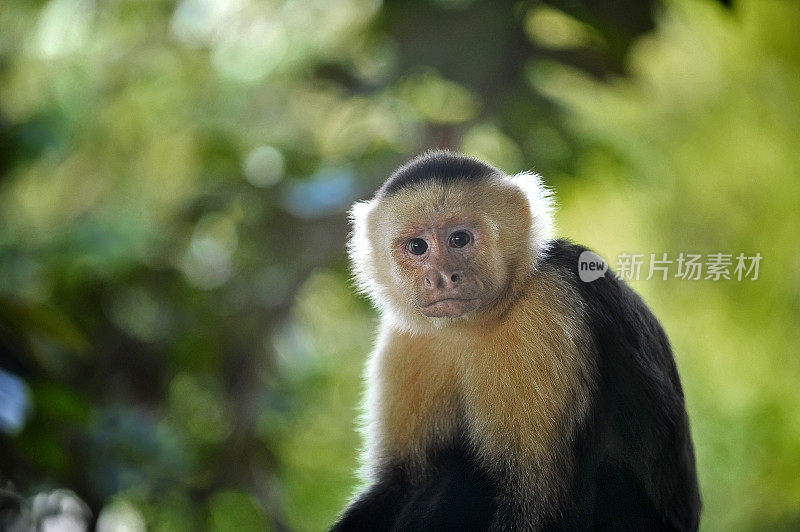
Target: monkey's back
pixel 636 468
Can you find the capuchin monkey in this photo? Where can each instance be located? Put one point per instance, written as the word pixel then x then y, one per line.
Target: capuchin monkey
pixel 504 393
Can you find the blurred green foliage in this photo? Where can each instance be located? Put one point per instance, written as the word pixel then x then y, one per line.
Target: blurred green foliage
pixel 173 184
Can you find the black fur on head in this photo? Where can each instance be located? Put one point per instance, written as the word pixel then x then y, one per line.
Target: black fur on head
pixel 437 165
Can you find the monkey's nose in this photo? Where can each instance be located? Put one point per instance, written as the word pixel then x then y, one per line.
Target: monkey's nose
pixel 440 280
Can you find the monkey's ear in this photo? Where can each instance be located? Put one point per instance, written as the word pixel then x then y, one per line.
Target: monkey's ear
pixel 542 204
pixel 360 248
pixel 358 213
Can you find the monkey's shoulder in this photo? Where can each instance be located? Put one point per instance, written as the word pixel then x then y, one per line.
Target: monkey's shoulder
pixel 636 367
pixel 611 304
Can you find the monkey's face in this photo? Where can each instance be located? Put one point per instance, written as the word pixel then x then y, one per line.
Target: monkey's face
pixel 440 251
pixel 432 253
pixel 439 264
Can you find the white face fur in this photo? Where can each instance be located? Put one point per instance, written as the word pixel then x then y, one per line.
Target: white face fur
pixel 432 254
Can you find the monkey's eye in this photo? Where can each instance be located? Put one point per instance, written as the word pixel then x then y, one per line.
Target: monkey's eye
pixel 417 246
pixel 459 239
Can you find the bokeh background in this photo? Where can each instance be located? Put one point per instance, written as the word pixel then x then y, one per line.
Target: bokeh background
pixel 180 345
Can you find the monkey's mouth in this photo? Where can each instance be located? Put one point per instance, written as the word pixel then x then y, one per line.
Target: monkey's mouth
pixel 450 307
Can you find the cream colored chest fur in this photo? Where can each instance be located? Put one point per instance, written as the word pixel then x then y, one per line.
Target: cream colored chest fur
pixel 515 387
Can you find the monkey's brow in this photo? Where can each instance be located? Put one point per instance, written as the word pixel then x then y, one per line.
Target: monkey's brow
pixel 450 222
pixel 404 235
